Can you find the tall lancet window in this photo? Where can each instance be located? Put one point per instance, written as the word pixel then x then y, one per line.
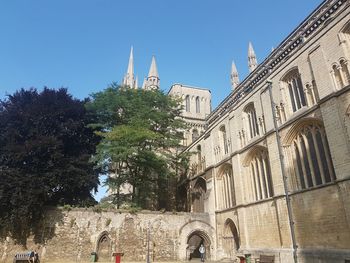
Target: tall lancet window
pixel 345 71
pixel 295 90
pixel 225 188
pixel 198 108
pixel 310 163
pixel 259 180
pixel 251 120
pixel 199 159
pixel 337 76
pixel 187 103
pixel 223 136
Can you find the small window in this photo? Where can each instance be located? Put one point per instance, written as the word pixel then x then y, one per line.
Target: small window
pixel 345 71
pixel 337 76
pixel 187 103
pixel 198 109
pixel 223 136
pixel 195 134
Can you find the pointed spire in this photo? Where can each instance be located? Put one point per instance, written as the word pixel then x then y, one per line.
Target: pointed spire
pixel 129 79
pixel 152 81
pixel 131 62
pixel 252 62
pixel 234 76
pixel 153 72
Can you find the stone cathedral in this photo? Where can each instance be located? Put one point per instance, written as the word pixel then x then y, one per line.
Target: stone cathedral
pixel 270 166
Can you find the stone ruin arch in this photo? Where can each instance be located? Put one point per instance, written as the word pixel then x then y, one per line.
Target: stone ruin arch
pixel 192 235
pixel 103 247
pixel 194 240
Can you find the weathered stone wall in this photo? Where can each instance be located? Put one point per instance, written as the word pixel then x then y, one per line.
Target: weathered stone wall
pixel 73 235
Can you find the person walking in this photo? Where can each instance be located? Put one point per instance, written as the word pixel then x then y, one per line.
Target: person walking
pixel 202 252
pixel 31 256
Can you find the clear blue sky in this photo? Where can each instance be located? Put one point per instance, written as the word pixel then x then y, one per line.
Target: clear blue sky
pixel 84 45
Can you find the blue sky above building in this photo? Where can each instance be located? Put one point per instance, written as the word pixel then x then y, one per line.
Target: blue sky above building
pixel 84 45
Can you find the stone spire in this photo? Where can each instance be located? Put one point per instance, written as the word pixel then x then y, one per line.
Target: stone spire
pixel 152 81
pixel 137 82
pixel 252 63
pixel 234 76
pixel 129 79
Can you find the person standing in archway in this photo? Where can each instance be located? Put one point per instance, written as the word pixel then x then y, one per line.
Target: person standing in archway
pixel 202 252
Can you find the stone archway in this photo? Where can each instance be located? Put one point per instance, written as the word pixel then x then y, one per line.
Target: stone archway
pixel 191 235
pixel 104 248
pixel 231 241
pixel 194 240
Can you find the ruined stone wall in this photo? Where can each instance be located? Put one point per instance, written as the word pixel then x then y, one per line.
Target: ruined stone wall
pixel 72 236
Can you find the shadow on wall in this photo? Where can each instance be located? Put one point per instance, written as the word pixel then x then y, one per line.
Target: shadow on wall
pixel 40 235
pixel 45 230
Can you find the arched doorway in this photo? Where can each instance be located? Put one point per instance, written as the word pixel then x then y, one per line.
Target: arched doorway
pixel 104 248
pixel 194 240
pixel 231 242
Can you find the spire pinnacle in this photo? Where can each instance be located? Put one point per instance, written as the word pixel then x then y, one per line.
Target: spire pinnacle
pixel 234 76
pixel 153 72
pixel 129 79
pixel 131 62
pixel 252 62
pixel 152 81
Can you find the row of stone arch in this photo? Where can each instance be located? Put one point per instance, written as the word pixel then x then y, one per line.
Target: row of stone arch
pixel 309 163
pixel 192 235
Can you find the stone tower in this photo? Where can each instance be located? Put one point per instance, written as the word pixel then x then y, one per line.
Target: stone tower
pixel 152 81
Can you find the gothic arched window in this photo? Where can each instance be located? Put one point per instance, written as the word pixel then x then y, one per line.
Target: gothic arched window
pixel 345 71
pixel 295 90
pixel 260 180
pixel 223 136
pixel 225 188
pixel 337 76
pixel 251 120
pixel 198 108
pixel 310 162
pixel 187 103
pixel 200 159
pixel 310 91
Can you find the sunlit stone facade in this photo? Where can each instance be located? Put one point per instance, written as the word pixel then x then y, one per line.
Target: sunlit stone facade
pixel 272 166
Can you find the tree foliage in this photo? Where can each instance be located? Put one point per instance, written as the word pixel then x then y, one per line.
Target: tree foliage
pixel 45 147
pixel 141 133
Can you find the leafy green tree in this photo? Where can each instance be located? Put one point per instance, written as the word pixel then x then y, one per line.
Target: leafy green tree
pixel 45 147
pixel 141 131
